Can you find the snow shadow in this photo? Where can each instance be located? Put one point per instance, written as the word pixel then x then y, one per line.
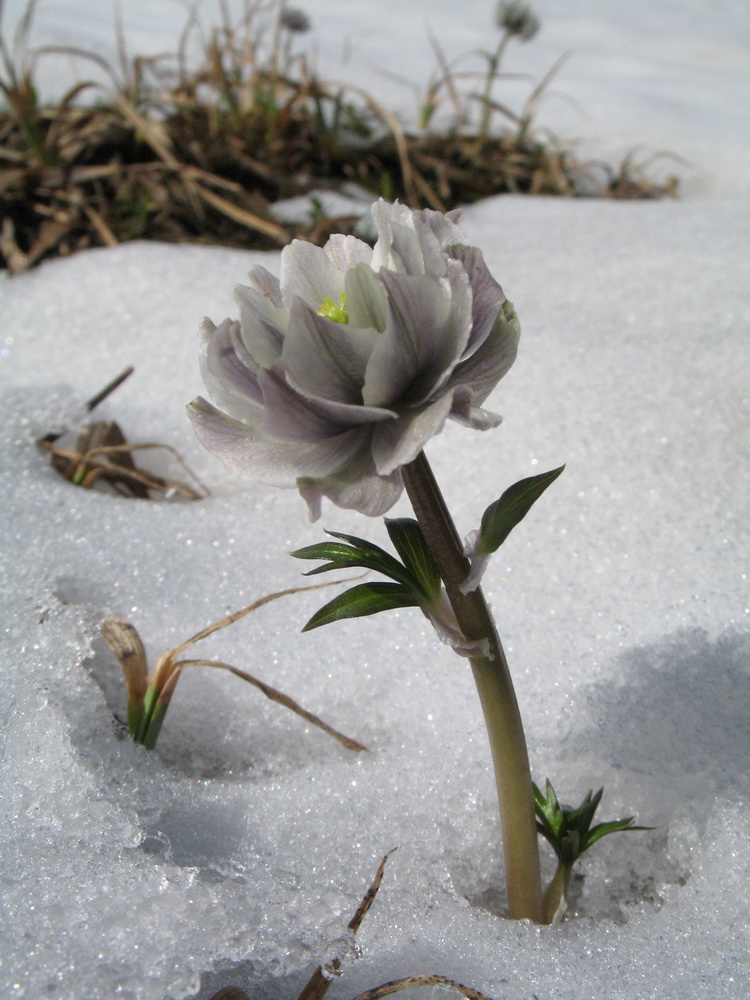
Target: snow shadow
pixel 678 721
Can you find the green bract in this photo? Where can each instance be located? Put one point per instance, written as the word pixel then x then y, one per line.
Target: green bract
pixel 416 581
pixel 500 519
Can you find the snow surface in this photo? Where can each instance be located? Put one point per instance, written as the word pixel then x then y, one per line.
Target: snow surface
pixel 239 849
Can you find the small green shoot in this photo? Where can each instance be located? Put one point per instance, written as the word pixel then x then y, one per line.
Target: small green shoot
pixel 570 833
pixel 149 695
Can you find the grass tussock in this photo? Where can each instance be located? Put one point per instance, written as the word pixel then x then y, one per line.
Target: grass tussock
pixel 174 151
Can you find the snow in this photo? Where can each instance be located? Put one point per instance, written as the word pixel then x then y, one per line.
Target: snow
pixel 238 851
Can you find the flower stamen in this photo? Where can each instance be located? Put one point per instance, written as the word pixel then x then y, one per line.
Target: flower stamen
pixel 337 313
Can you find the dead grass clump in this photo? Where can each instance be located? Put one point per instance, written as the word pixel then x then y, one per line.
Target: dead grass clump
pixel 177 153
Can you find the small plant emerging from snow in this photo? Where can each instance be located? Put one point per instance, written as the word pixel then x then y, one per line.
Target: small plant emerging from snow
pixel 570 833
pixel 332 380
pixel 149 695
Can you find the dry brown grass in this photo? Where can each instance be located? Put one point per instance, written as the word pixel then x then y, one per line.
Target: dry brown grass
pixel 183 154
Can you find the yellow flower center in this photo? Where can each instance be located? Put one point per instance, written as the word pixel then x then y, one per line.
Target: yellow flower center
pixel 337 313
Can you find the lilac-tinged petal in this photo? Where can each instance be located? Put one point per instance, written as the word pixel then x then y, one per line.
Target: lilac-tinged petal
pixel 238 447
pixel 326 358
pixel 399 441
pixel 464 412
pixel 411 242
pixel 263 325
pixel 267 284
pixel 492 359
pixel 308 271
pixel 487 295
pixel 228 371
pixel 445 227
pixel 426 331
pixel 356 487
pixel 276 463
pixel 348 251
pixel 291 415
pixel 366 301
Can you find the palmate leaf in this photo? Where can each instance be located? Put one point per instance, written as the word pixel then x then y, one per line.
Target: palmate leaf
pixel 511 508
pixel 365 599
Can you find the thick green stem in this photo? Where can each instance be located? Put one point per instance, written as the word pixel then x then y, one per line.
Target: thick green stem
pixel 495 687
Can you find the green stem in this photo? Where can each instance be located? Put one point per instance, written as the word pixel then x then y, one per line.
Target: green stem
pixel 556 893
pixel 495 688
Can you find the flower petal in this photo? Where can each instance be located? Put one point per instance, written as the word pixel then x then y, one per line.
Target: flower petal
pixel 492 359
pixel 412 242
pixel 366 301
pixel 356 487
pixel 267 284
pixel 262 323
pixel 324 357
pixel 348 251
pixel 228 370
pixel 487 295
pixel 427 328
pixel 464 412
pixel 291 415
pixel 399 441
pixel 308 271
pixel 265 460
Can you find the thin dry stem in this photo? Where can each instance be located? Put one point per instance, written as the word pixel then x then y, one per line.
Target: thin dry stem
pixel 271 693
pixel 236 615
pixel 412 982
pixel 319 982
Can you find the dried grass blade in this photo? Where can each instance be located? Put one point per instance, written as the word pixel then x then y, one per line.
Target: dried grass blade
pixel 109 388
pixel 241 215
pixel 126 644
pixel 274 695
pixel 50 234
pixel 369 897
pixel 15 258
pixel 319 982
pixel 411 982
pixel 236 615
pixel 447 71
pixel 402 147
pixel 106 235
pixel 154 482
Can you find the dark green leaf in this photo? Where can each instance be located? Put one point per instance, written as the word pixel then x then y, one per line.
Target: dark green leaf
pixel 614 826
pixel 569 830
pixel 359 553
pixel 504 514
pixel 366 599
pixel 410 544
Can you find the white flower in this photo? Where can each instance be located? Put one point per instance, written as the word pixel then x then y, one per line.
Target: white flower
pixel 336 375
